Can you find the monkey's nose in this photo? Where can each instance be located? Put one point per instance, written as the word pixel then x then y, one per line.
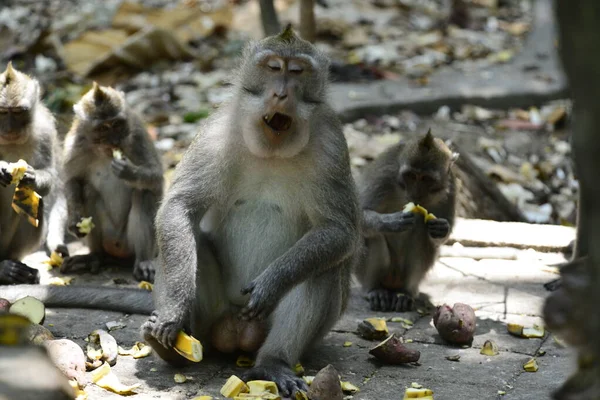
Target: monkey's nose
pixel 280 95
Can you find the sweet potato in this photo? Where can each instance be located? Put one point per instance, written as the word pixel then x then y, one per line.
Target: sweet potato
pixel 69 359
pixel 4 305
pixel 326 385
pixel 392 351
pixel 455 325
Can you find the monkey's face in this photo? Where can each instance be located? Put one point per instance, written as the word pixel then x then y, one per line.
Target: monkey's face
pixel 424 186
pixel 14 125
pixel 279 95
pixel 109 132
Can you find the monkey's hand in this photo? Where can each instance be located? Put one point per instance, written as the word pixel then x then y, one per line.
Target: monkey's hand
pixel 397 222
pixel 438 228
pixel 164 329
pixel 263 298
pixel 29 179
pixel 15 272
pixel 123 169
pixel 5 175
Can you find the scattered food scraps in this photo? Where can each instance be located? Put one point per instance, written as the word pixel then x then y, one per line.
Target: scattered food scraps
pixel 106 379
pixel 348 387
pixel 244 362
pixel 101 347
pixel 138 350
pixel 299 369
pixel 347 344
pixel 146 286
pixel 180 378
pixel 392 351
pixel 455 325
pixel 233 387
pixel 55 260
pixel 60 280
pixel 422 393
pixel 521 331
pixel 490 348
pixel 373 329
pixel 114 325
pixel 455 357
pixel 531 365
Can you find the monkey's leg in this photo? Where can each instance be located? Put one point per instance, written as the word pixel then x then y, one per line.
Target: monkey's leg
pixel 303 317
pixel 371 271
pixel 210 304
pixel 268 16
pixel 141 234
pixel 57 223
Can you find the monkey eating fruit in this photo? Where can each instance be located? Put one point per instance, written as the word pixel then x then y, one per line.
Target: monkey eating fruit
pixel 399 247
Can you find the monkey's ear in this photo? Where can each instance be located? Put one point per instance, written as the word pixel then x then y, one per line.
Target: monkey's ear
pixel 10 73
pixel 428 141
pixel 99 94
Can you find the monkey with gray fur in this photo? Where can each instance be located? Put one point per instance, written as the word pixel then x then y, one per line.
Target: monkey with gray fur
pixel 258 232
pixel 400 248
pixel 28 132
pixel 120 194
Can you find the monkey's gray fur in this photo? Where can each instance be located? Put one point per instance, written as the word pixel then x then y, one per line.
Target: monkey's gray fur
pixel 400 247
pixel 261 222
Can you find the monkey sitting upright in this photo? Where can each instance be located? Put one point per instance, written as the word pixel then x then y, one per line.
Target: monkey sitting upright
pixel 400 246
pixel 259 230
pixel 28 132
pixel 114 175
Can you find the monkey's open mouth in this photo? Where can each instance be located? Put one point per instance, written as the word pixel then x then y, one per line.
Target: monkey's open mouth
pixel 278 122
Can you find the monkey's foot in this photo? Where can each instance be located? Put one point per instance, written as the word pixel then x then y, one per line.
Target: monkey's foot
pixel 390 300
pixel 86 262
pixel 151 330
pixel 286 380
pixel 144 270
pixel 15 272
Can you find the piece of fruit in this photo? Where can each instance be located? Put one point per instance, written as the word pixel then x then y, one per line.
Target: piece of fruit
pixel 430 217
pixel 77 391
pixel 392 351
pixel 515 329
pixel 531 366
pixel 27 202
pixel 348 387
pixel 299 369
pixel 55 260
pixel 326 385
pixel 101 347
pixel 106 379
pixel 85 225
pixel 179 378
pixel 308 379
pixel 521 331
pixel 414 393
pixel 60 280
pixel 117 154
pixel 31 308
pixel 301 395
pixel 347 344
pixel 244 362
pixel 17 171
pixel 138 350
pixel 259 387
pixel 233 387
pixel 13 329
pixel 457 324
pixel 4 305
pixel 69 358
pixel 489 348
pixel 38 335
pixel 146 286
pixel 373 329
pixel 189 347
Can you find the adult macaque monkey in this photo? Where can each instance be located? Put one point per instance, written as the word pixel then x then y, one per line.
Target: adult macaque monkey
pixel 28 132
pixel 259 231
pixel 400 246
pixel 114 175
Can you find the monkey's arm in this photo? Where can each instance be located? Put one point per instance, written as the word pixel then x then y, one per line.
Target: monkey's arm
pixel 333 238
pixel 142 168
pixel 375 223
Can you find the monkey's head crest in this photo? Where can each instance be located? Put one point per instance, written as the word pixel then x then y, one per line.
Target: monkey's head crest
pixel 100 102
pixel 17 89
pixel 287 34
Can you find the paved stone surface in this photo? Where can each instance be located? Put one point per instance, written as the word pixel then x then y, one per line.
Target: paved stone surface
pixel 531 77
pixel 501 291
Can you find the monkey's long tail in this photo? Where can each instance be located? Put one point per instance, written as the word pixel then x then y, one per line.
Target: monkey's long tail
pixel 131 301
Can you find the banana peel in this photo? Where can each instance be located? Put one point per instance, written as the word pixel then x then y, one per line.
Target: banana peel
pixel 106 379
pixel 17 171
pixel 417 209
pixel 27 202
pixel 233 387
pixel 189 347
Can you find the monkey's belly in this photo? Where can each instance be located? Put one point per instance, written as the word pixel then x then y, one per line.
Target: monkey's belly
pixel 249 239
pixel 116 248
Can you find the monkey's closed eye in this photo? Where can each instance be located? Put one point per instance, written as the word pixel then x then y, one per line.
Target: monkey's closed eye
pixel 274 65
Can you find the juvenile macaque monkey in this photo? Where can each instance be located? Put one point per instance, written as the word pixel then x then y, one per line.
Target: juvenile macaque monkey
pixel 114 175
pixel 28 132
pixel 260 226
pixel 400 246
